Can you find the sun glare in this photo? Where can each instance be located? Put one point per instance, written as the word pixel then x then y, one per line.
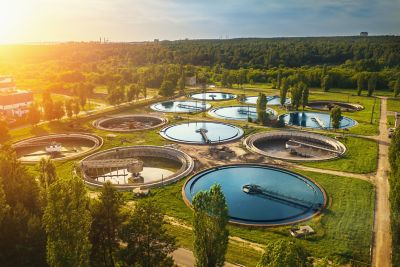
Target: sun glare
pixel 12 19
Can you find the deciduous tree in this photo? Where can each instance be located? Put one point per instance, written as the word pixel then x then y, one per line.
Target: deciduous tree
pixel 107 222
pixel 283 253
pixel 148 243
pixel 67 223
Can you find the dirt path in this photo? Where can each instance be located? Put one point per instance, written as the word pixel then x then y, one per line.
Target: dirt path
pixel 382 246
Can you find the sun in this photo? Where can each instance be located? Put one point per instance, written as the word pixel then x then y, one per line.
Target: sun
pixel 11 19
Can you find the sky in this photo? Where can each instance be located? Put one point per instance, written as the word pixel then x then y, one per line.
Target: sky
pixel 145 20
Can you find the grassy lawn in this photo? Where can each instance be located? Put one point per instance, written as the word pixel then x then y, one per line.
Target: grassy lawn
pixel 361 157
pixel 393 104
pixel 237 253
pixel 343 232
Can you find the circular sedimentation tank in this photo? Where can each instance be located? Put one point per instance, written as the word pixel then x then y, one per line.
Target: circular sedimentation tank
pixel 202 133
pixel 315 120
pixel 129 123
pixel 242 113
pixel 57 147
pixel 133 167
pixel 295 146
pixel 181 106
pixel 327 105
pixel 213 96
pixel 276 196
pixel 272 100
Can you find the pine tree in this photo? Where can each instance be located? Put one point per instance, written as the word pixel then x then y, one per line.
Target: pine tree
pixel 209 227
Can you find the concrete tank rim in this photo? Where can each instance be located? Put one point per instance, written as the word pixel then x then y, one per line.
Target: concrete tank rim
pixel 322 112
pixel 318 213
pixel 188 164
pixel 356 106
pixel 152 106
pixel 234 96
pixel 96 123
pixel 202 144
pixel 248 142
pixel 212 111
pixel 98 140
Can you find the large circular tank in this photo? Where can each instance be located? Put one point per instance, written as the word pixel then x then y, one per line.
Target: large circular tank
pixel 242 113
pixel 315 120
pixel 129 123
pixel 295 145
pixel 260 195
pixel 202 132
pixel 213 96
pixel 326 105
pixel 178 106
pixel 271 100
pixel 133 167
pixel 57 147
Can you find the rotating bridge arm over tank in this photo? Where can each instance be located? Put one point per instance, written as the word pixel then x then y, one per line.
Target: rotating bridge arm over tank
pixel 289 200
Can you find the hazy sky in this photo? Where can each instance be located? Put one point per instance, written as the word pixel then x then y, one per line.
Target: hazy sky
pixel 137 20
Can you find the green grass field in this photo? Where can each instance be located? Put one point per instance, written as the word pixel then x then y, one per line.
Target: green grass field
pixel 393 104
pixel 343 231
pixel 361 157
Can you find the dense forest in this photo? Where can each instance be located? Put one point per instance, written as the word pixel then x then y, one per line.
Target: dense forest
pixel 238 61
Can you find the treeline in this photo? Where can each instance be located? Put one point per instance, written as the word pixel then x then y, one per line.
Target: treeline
pixel 394 181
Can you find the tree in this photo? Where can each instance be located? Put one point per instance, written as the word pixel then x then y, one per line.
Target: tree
pixel 305 94
pixel 48 106
pixel 283 91
pixel 148 243
pixel 209 227
pixel 34 115
pixel 181 83
pixel 23 239
pixel 67 223
pixel 396 90
pixel 76 107
pixel 336 117
pixel 107 221
pixel 360 83
pixel 297 95
pixel 47 173
pixel 58 110
pixel 167 88
pixel 279 79
pixel 261 108
pixel 4 131
pixel 68 108
pixel 325 83
pixel 372 84
pixel 283 253
pixel 132 92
